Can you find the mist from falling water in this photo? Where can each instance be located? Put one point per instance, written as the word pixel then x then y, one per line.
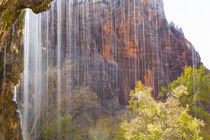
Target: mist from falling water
pixel 36 66
pixel 33 62
pixel 43 30
pixel 59 40
pixel 24 114
pixel 37 57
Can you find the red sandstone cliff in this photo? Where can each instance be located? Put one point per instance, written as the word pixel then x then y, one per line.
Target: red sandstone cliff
pixel 116 43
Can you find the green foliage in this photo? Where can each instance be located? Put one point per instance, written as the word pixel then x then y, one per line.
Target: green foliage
pixel 106 128
pixel 150 119
pixel 82 106
pixel 197 82
pixel 99 134
pixel 63 128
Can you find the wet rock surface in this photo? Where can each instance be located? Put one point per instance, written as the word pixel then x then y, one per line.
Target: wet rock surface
pixel 11 60
pixel 116 43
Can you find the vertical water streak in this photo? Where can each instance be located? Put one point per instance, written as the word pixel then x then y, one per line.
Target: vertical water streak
pixel 144 44
pixel 59 37
pixel 38 67
pixel 15 94
pixel 33 76
pixel 24 122
pixel 47 61
pixel 152 53
pixel 157 47
pixel 194 76
pixel 69 44
pixel 135 41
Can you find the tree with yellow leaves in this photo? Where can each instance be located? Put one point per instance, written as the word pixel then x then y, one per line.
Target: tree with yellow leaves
pixel 151 119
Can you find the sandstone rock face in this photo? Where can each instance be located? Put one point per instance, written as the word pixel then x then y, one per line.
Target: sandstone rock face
pixel 116 43
pixel 11 66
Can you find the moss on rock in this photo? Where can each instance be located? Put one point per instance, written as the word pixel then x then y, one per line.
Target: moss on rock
pixel 11 60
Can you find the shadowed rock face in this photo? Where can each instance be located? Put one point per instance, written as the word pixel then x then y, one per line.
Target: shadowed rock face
pixel 121 42
pixel 135 42
pixel 11 60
